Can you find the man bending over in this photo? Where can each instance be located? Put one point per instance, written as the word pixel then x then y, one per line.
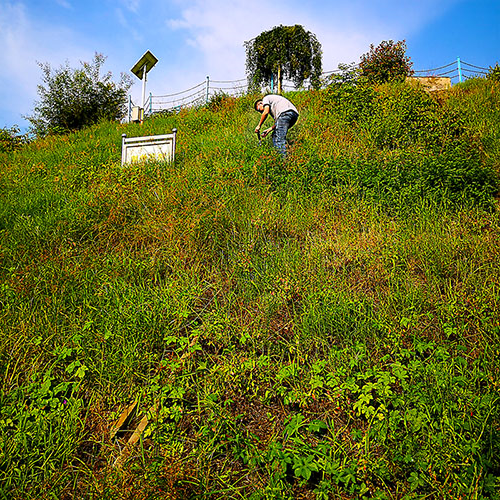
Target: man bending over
pixel 285 115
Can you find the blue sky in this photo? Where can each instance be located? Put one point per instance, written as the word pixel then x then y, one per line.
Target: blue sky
pixel 194 39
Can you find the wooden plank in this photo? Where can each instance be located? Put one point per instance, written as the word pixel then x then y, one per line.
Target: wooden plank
pixel 122 420
pixel 145 420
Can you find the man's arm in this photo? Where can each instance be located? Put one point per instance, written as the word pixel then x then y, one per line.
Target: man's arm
pixel 270 129
pixel 263 117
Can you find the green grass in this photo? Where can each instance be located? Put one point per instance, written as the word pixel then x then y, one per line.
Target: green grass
pixel 324 327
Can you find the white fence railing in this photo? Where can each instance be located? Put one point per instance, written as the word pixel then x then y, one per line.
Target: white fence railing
pixel 201 93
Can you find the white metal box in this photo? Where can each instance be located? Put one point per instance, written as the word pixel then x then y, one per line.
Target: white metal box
pixel 137 114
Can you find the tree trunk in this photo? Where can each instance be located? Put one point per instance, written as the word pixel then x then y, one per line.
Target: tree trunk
pixel 280 80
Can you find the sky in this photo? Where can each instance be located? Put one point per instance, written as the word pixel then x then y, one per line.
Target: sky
pixel 193 39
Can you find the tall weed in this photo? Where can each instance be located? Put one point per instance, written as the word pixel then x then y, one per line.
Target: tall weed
pixel 325 326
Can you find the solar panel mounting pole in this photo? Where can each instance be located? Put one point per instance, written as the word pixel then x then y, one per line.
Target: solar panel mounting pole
pixel 141 69
pixel 144 73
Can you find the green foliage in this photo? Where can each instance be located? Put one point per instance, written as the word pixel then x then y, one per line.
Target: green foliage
pixel 386 62
pixel 218 101
pixel 11 139
pixel 476 100
pixel 348 73
pixel 71 99
pixel 284 52
pixel 321 327
pixel 414 148
pixel 39 425
pixel 494 73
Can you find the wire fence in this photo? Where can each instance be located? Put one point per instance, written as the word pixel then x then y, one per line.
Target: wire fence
pixel 457 71
pixel 200 94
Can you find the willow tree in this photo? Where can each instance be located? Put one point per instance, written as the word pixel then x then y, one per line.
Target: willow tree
pixel 288 52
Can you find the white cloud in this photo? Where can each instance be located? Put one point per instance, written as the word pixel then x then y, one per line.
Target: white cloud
pixel 211 35
pixel 218 31
pixel 124 22
pixel 64 3
pixel 132 5
pixel 218 28
pixel 24 43
pixel 19 73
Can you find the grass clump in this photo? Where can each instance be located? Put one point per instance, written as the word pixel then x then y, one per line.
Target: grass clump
pixel 324 327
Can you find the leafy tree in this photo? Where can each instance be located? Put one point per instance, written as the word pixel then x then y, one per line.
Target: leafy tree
pixel 386 62
pixel 284 52
pixel 71 99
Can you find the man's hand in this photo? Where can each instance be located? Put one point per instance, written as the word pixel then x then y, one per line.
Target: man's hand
pixel 257 129
pixel 267 131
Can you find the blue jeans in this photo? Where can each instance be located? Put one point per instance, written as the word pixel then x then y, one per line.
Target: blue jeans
pixel 283 123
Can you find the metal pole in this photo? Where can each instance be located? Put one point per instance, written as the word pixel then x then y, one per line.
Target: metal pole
pixel 144 72
pixel 129 108
pixel 150 103
pixel 208 86
pixel 459 70
pixel 124 136
pixel 272 84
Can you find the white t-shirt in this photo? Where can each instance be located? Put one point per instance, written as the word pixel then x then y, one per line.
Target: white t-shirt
pixel 278 105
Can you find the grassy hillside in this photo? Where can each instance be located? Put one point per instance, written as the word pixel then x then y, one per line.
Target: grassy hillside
pixel 324 327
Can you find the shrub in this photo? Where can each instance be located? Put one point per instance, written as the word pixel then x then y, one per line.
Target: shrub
pixel 11 139
pixel 71 99
pixel 386 62
pixel 347 73
pixel 218 100
pixel 494 73
pixel 408 148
